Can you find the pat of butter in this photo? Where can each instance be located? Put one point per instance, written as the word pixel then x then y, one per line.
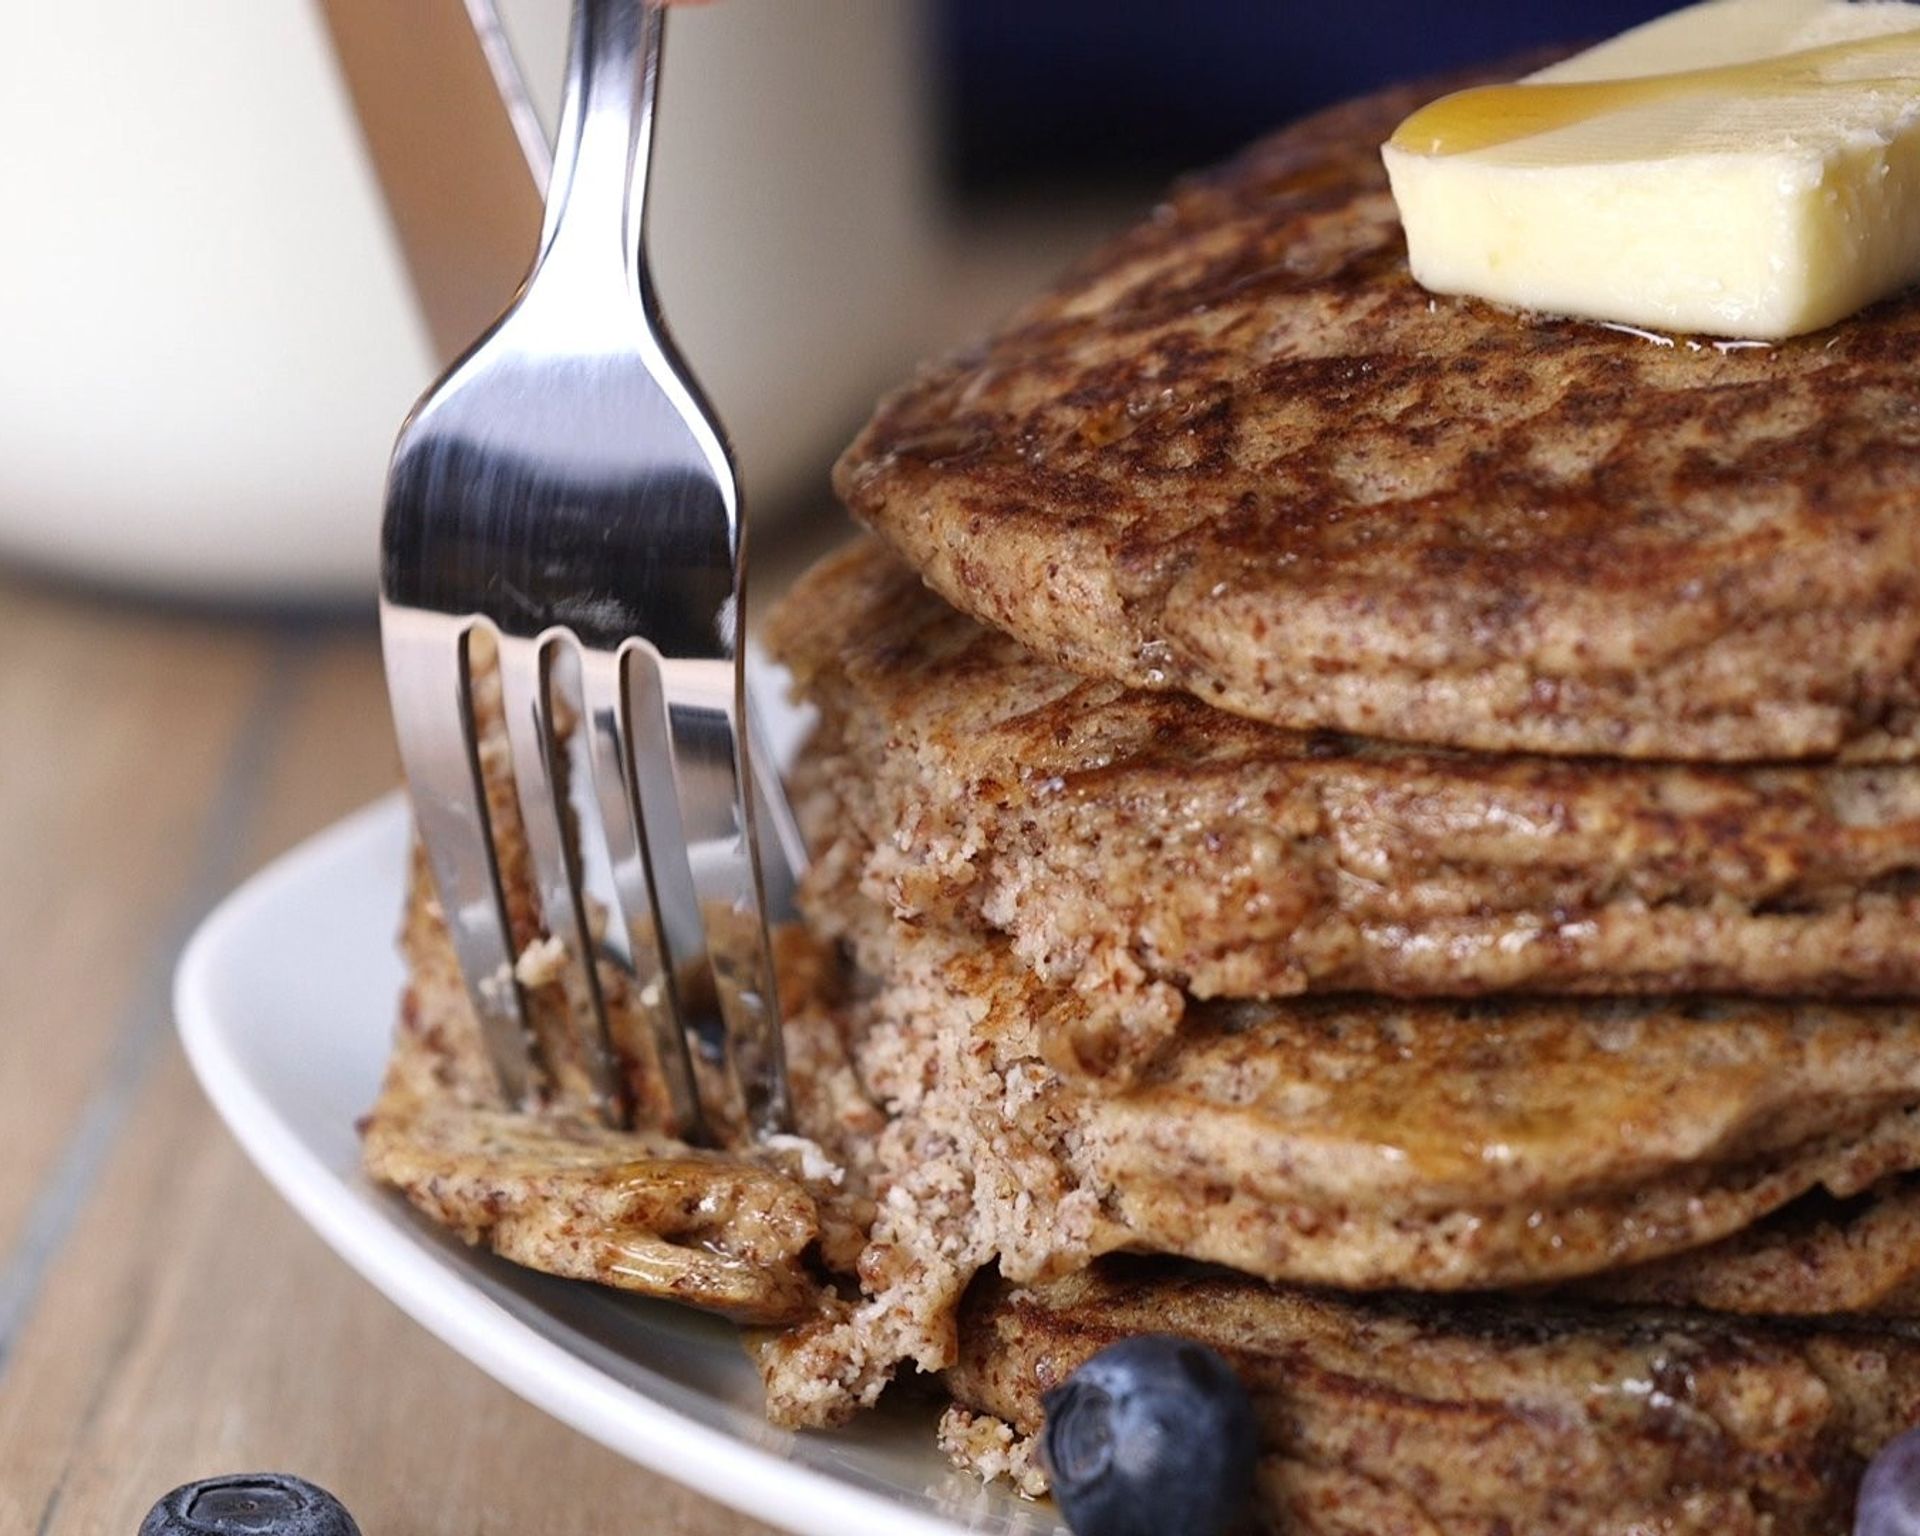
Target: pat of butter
pixel 1744 168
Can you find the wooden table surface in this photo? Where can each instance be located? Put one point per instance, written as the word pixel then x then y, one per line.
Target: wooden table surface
pixel 163 1316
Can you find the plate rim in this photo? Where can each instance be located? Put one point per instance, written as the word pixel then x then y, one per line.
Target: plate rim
pixel 782 1494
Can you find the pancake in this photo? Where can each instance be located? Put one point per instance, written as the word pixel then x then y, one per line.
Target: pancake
pixel 1364 1143
pixel 1819 1256
pixel 549 1187
pixel 635 1212
pixel 1142 843
pixel 741 1232
pixel 1403 1418
pixel 1239 452
pixel 1369 1143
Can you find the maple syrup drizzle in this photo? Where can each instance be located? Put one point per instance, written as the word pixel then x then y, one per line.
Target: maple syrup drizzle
pixel 1491 115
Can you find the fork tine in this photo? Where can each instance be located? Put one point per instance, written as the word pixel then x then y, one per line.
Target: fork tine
pixel 430 678
pixel 607 699
pixel 526 684
pixel 778 844
pixel 711 840
pixel 558 481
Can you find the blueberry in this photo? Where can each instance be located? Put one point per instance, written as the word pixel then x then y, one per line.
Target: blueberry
pixel 249 1504
pixel 1890 1492
pixel 1153 1434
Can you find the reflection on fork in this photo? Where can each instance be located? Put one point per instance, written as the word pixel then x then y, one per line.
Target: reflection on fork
pixel 563 524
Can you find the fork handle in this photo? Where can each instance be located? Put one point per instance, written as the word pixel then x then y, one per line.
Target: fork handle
pixel 597 196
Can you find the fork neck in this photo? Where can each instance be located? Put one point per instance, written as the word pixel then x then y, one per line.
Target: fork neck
pixel 597 196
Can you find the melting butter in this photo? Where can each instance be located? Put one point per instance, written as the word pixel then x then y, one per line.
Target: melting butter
pixel 1743 168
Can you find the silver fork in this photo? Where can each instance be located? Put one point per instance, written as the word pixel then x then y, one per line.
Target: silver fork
pixel 566 484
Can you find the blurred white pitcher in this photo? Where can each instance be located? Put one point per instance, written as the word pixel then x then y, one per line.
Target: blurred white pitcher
pixel 209 338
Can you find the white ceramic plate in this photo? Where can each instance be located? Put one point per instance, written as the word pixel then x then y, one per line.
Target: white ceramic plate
pixel 285 999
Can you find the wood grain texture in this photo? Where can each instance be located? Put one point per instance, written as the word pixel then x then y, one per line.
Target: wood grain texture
pixel 185 1323
pixel 116 731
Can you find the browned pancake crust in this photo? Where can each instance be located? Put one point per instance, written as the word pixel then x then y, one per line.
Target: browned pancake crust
pixel 1240 452
pixel 1390 1418
pixel 634 1212
pixel 1138 842
pixel 1819 1256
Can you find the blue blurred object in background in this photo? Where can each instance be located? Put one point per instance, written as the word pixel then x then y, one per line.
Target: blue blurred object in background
pixel 1121 90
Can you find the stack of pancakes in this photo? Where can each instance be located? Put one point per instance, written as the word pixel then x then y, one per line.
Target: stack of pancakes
pixel 1389 796
pixel 1374 831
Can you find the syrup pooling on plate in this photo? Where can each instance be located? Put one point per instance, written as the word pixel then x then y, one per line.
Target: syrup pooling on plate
pixel 1491 115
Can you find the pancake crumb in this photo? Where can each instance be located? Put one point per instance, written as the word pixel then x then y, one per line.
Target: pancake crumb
pixel 991 1450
